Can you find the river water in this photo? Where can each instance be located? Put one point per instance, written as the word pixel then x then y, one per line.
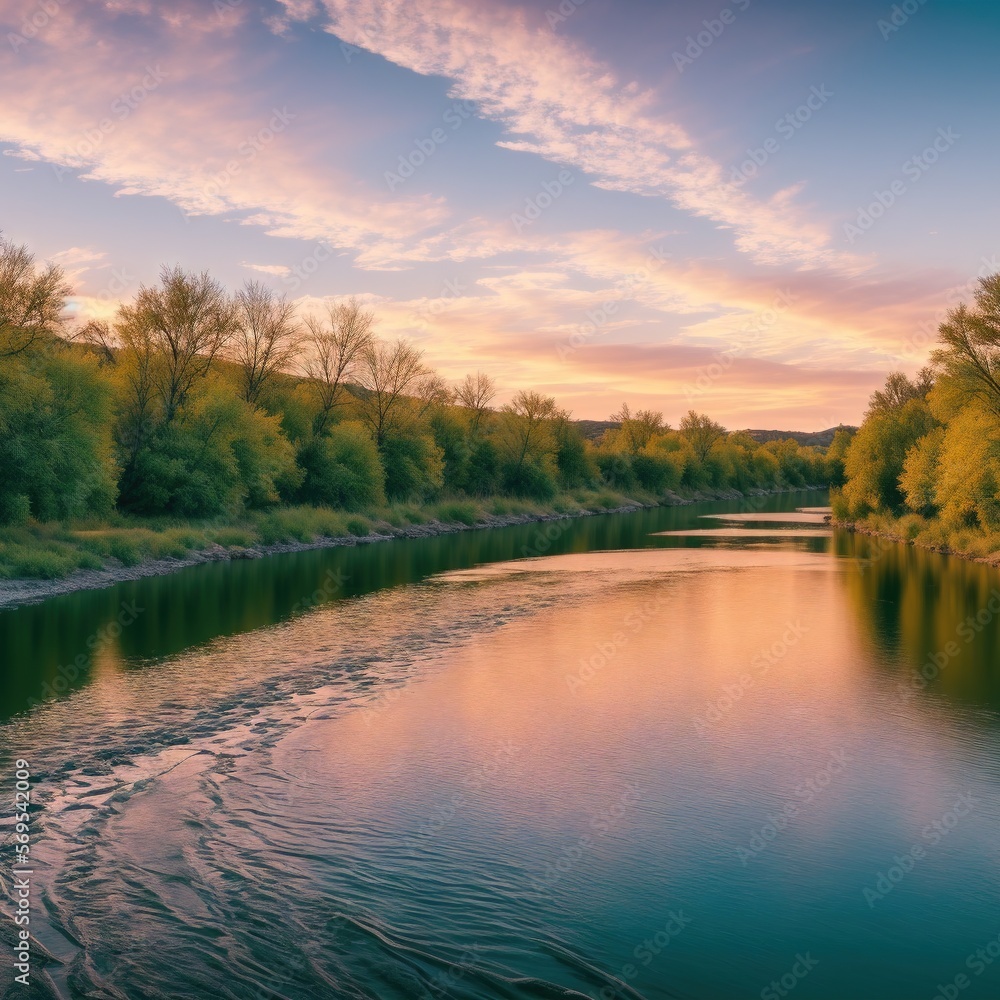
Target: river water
pixel 669 754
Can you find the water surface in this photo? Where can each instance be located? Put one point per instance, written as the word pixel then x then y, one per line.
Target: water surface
pixel 653 755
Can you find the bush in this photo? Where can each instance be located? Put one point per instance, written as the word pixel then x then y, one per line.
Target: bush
pixel 342 470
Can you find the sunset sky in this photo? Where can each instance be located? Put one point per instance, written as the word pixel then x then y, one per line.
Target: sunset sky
pixel 562 195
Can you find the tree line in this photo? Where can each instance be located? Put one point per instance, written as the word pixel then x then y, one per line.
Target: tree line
pixel 194 402
pixel 929 447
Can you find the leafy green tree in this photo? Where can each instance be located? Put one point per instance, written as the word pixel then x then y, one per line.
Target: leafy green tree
pixel 874 460
pixel 968 487
pixel 921 472
pixel 342 469
pixel 182 326
pixel 701 433
pixel 414 467
pixel 969 358
pixel 637 429
pixel 55 437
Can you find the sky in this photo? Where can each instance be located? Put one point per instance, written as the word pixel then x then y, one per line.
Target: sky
pixel 755 210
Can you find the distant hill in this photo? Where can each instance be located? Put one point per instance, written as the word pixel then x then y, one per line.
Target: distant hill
pixel 814 439
pixel 593 429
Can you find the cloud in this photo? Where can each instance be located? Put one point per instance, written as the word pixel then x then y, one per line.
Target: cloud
pixel 278 270
pixel 558 102
pixel 168 104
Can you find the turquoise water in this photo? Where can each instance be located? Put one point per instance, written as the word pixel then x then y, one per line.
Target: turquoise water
pixel 583 758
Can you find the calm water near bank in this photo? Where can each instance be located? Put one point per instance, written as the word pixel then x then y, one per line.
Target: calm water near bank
pixel 648 755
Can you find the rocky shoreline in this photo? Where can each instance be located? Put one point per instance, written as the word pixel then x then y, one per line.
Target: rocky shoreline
pixel 15 593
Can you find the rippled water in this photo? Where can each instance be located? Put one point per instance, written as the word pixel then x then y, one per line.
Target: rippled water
pixel 655 755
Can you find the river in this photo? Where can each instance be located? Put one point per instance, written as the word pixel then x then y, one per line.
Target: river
pixel 668 754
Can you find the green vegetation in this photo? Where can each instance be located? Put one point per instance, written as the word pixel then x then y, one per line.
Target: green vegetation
pixel 925 465
pixel 199 419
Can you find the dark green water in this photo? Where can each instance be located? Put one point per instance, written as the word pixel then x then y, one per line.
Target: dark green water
pixel 582 758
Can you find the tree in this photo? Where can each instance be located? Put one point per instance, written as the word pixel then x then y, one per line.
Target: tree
pixel 921 472
pixel 338 347
pixel 388 372
pixel 184 325
pixel 874 461
pixel 31 299
pixel 899 390
pixel 637 429
pixel 967 490
pixel 55 437
pixel 475 393
pixel 701 433
pixel 342 469
pixel 527 444
pixel 266 339
pixel 969 360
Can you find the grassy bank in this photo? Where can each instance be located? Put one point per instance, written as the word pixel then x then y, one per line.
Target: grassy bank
pixel 53 551
pixel 927 533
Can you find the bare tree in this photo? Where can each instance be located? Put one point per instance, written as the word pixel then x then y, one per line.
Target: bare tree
pixel 389 371
pixel 431 391
pixel 99 337
pixel 31 299
pixel 266 339
pixel 475 393
pixel 337 346
pixel 187 322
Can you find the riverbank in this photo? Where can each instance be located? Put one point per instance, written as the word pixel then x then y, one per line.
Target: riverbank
pixel 116 553
pixel 911 529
